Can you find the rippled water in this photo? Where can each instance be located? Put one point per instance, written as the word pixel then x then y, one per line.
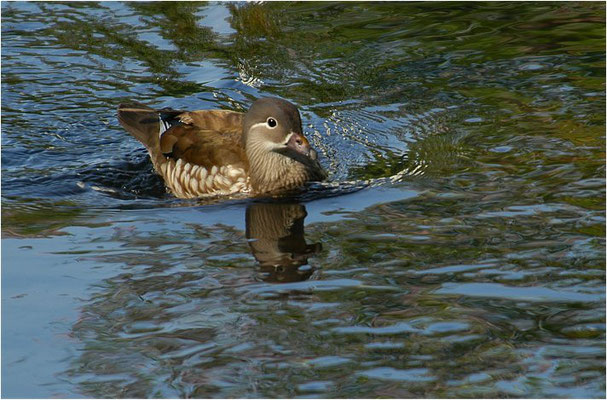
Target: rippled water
pixel 458 249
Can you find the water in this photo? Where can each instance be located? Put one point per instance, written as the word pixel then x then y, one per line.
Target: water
pixel 458 249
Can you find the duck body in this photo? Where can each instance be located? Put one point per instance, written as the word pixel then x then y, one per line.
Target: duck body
pixel 218 152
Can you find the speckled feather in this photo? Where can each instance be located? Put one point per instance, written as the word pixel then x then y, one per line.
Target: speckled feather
pixel 193 162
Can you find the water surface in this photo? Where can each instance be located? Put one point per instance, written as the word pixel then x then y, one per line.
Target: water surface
pixel 457 250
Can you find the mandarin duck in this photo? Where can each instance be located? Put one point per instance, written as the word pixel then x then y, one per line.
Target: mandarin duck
pixel 218 152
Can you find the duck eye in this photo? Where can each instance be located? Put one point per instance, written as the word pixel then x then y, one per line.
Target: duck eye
pixel 271 122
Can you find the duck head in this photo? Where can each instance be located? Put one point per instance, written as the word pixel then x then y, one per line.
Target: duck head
pixel 280 156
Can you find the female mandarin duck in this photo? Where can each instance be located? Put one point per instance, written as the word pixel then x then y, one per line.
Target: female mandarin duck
pixel 217 152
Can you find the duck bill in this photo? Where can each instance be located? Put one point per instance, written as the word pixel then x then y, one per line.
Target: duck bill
pixel 299 143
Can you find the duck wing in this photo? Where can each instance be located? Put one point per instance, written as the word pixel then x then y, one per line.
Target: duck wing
pixel 205 138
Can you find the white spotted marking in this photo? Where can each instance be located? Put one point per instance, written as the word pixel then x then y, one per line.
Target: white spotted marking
pixel 187 180
pixel 164 126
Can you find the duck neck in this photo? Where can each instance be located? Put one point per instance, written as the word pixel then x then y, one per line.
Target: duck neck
pixel 270 171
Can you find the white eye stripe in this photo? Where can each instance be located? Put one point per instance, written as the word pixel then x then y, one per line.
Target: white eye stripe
pixel 258 125
pixel 264 124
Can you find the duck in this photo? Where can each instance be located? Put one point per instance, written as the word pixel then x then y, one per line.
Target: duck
pixel 221 152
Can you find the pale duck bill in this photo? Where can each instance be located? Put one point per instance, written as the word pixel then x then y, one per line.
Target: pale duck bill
pixel 299 143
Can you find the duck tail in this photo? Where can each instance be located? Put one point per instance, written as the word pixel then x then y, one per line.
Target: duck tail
pixel 147 124
pixel 142 122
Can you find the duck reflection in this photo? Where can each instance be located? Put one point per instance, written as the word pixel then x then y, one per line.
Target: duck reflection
pixel 276 236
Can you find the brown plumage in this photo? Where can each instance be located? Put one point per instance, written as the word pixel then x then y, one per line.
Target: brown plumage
pixel 215 152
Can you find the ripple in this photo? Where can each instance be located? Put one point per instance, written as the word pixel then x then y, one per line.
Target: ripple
pixel 328 361
pixel 393 374
pixel 457 250
pixel 313 286
pixel 401 327
pixel 539 294
pixel 315 386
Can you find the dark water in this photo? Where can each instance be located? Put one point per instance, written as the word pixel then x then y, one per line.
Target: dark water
pixel 458 249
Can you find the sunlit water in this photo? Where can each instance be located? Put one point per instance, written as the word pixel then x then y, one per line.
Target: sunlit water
pixel 458 249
